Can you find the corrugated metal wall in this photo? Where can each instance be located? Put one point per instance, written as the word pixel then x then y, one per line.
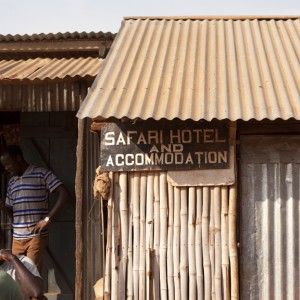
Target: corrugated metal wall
pixel 46 97
pixel 91 218
pixel 270 231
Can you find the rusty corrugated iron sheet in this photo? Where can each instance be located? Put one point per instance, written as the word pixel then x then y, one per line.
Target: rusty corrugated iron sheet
pixel 91 216
pixel 43 97
pixel 270 213
pixel 197 68
pixel 56 36
pixel 39 69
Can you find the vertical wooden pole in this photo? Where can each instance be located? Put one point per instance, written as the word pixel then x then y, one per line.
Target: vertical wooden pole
pixel 124 232
pixel 191 243
pixel 156 237
pixel 218 254
pixel 149 235
pixel 142 263
pixel 198 244
pixel 102 240
pixel 130 238
pixel 176 243
pixel 136 234
pixel 233 256
pixel 79 203
pixel 107 278
pixel 225 250
pixel 170 266
pixel 205 239
pixel 115 240
pixel 163 192
pixel 212 243
pixel 183 243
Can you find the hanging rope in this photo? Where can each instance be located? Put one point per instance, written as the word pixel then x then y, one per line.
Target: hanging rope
pixel 101 184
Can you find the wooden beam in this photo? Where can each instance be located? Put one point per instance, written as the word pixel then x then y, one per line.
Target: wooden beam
pixel 78 216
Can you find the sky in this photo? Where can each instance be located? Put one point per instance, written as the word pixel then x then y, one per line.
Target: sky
pixel 53 16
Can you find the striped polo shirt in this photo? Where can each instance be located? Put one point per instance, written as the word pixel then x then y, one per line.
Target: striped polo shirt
pixel 28 196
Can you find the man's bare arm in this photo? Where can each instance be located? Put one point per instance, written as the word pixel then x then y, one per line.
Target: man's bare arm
pixel 62 198
pixel 32 285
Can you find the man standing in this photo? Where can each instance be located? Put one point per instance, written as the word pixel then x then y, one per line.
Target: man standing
pixel 27 202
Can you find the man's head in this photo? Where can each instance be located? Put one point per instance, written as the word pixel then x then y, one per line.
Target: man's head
pixel 13 161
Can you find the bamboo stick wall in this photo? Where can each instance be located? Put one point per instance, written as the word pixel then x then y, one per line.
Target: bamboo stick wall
pixel 167 242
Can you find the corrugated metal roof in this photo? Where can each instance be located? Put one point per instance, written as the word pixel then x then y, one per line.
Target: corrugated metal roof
pixel 55 36
pixel 48 68
pixel 200 69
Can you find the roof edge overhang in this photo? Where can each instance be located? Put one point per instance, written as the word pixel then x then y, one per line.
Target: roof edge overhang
pixel 216 17
pixel 291 125
pixel 112 119
pixel 5 81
